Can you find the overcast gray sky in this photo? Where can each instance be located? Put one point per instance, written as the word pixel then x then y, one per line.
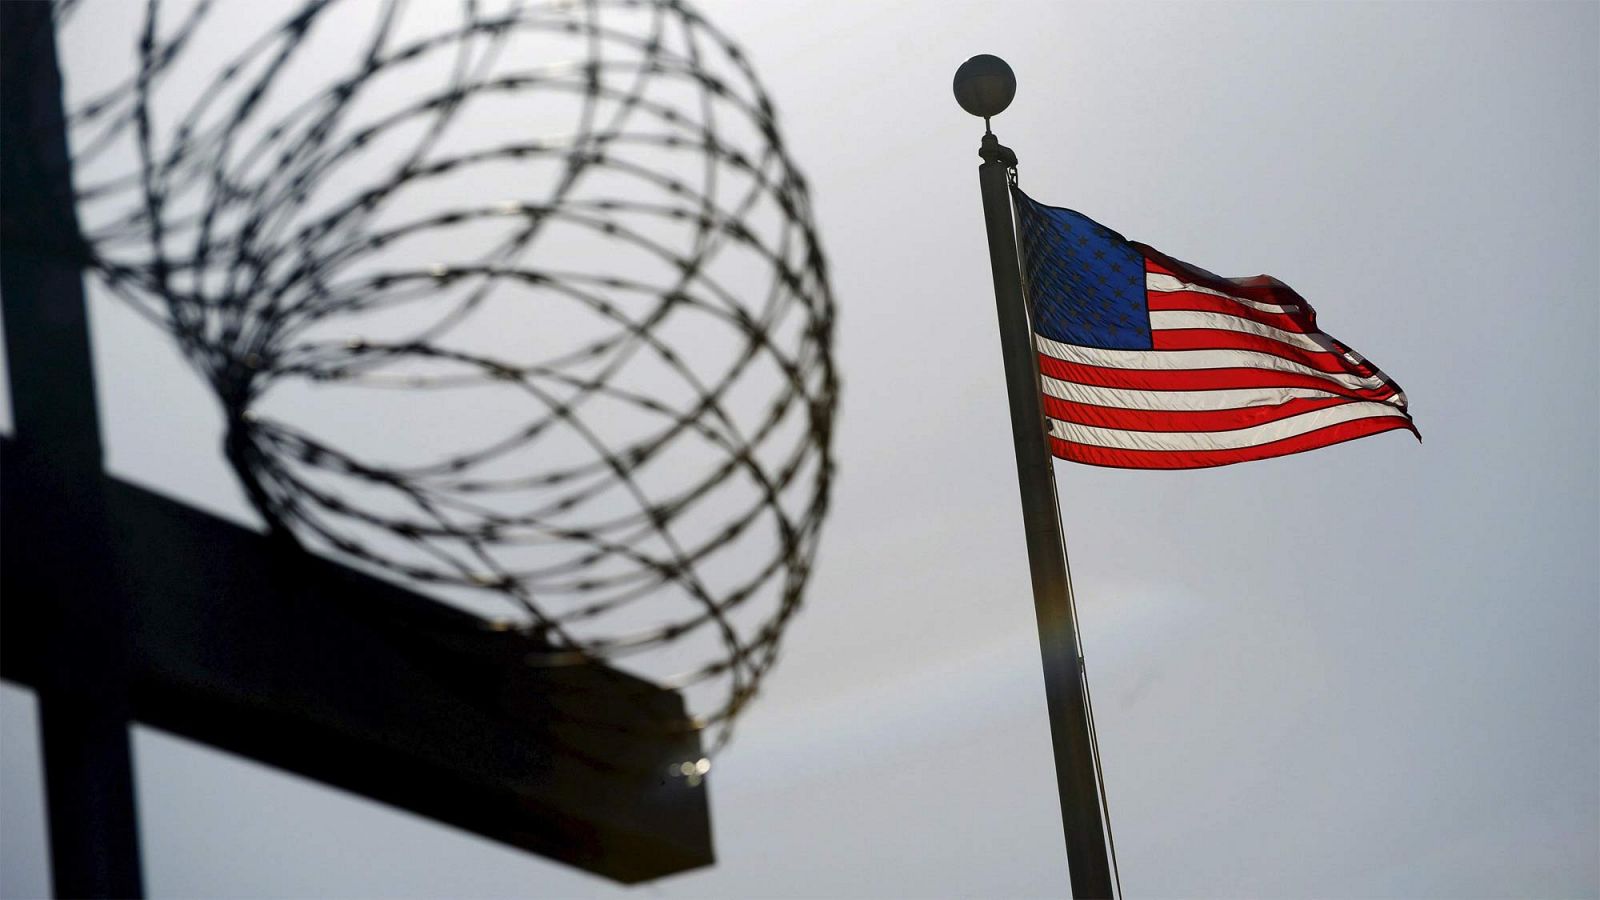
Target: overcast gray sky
pixel 1372 670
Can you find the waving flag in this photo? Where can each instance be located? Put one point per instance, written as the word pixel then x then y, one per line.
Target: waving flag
pixel 1147 362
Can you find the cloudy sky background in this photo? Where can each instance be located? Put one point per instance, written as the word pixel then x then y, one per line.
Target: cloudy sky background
pixel 1372 670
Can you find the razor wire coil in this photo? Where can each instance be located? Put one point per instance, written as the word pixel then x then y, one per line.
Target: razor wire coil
pixel 302 227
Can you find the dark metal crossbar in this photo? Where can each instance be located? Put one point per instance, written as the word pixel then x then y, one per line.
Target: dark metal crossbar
pixel 309 666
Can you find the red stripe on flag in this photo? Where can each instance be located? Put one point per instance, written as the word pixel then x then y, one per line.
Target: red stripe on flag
pixel 1193 301
pixel 1198 379
pixel 1260 288
pixel 1183 420
pixel 1218 339
pixel 1201 459
pixel 1151 265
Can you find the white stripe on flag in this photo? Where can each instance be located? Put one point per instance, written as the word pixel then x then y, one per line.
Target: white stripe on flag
pixel 1166 284
pixel 1185 360
pixel 1178 401
pixel 1167 320
pixel 1220 440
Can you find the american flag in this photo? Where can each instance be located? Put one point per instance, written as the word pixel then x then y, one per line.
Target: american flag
pixel 1147 362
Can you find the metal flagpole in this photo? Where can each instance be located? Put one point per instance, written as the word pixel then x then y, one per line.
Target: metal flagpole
pixel 984 86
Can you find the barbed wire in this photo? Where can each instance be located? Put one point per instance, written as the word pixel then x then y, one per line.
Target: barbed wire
pixel 576 222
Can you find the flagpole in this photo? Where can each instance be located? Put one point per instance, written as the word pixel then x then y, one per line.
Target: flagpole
pixel 984 86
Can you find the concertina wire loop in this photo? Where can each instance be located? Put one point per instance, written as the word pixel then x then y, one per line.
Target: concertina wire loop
pixel 301 227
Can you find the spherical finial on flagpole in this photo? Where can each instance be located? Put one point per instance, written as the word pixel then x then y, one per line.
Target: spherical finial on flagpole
pixel 984 85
